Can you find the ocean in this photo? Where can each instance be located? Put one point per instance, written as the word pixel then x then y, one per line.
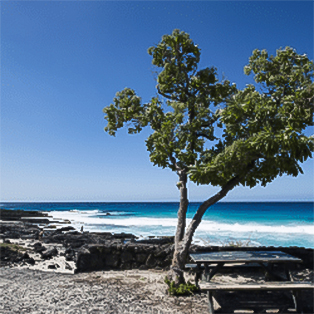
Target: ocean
pixel 256 223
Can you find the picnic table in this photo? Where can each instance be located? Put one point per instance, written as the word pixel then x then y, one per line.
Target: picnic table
pixel 208 264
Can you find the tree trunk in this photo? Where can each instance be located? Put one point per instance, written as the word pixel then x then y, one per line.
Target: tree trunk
pixel 183 241
pixel 184 202
pixel 175 273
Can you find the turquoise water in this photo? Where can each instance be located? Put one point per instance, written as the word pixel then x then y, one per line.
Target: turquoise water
pixel 269 224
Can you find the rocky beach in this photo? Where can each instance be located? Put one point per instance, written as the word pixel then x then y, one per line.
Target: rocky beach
pixel 50 267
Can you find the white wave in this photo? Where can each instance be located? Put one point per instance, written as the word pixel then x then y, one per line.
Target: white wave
pixel 98 212
pixel 115 213
pixel 206 225
pixel 81 211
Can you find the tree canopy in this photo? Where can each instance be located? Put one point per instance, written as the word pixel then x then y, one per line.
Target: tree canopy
pixel 262 134
pixel 213 133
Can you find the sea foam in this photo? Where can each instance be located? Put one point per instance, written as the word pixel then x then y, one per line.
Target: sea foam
pixel 88 218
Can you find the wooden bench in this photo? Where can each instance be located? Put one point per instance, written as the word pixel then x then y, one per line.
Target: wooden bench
pixel 295 287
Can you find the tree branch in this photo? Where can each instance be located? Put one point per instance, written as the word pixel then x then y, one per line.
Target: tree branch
pixel 166 96
pixel 206 136
pixel 209 202
pixel 174 163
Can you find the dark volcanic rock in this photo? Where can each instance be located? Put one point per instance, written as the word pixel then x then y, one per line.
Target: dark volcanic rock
pixel 25 256
pixel 67 266
pixel 37 244
pixel 143 267
pixel 141 258
pixel 30 261
pixel 76 239
pixel 54 238
pixel 67 228
pixel 69 250
pixel 7 214
pixel 29 236
pixel 12 234
pixel 36 220
pixel 38 247
pixel 52 266
pixel 112 260
pixel 61 230
pixel 9 255
pixel 113 255
pixel 123 236
pixel 126 257
pixel 69 254
pixel 73 240
pixel 126 266
pixel 151 261
pixel 49 253
pixel 69 257
pixel 18 230
pixel 86 261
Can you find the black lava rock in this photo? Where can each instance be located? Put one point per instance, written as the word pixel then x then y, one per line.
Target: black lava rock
pixel 30 261
pixel 50 253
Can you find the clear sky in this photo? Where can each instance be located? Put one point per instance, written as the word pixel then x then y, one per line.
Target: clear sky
pixel 62 62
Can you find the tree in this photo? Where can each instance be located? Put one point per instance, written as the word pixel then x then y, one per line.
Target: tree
pixel 262 132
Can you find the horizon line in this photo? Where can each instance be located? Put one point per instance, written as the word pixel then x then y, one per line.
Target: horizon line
pixel 156 201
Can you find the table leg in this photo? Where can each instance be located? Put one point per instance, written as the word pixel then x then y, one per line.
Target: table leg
pixel 210 302
pixel 295 294
pixel 288 273
pixel 297 304
pixel 197 275
pixel 214 271
pixel 206 272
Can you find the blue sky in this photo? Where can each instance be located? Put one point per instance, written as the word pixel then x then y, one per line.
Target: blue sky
pixel 62 62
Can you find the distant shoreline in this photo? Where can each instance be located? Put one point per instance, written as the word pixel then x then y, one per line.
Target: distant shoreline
pixel 140 202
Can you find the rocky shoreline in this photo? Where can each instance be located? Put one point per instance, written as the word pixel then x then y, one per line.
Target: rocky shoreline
pixel 28 242
pixel 25 242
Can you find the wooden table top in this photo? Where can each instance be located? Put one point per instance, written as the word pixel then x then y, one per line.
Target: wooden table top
pixel 243 257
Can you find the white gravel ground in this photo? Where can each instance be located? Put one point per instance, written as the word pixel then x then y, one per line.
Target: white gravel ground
pixel 29 291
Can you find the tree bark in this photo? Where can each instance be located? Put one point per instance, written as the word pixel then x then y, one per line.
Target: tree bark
pixel 184 202
pixel 176 273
